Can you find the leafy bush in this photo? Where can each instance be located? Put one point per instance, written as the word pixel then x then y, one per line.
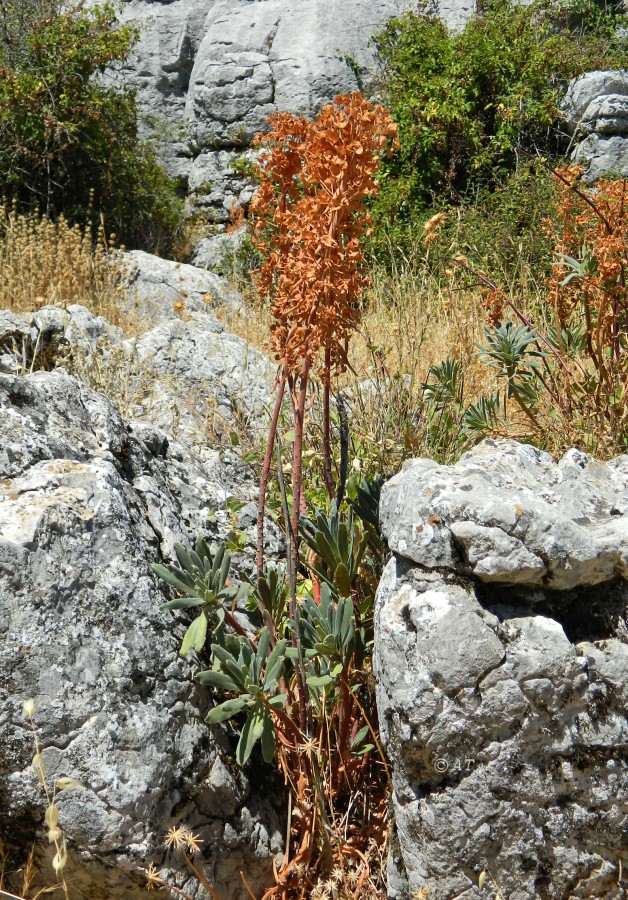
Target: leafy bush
pixel 501 227
pixel 68 140
pixel 468 104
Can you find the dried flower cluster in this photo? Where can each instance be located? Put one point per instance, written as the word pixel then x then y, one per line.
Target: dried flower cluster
pixel 44 261
pixel 310 215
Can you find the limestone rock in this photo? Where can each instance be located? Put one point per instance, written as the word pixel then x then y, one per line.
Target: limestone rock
pixel 188 375
pixel 209 72
pixel 506 743
pixel 507 513
pixel 588 93
pixel 501 653
pixel 603 156
pixel 595 113
pixel 192 377
pixel 155 285
pixel 219 251
pixel 87 501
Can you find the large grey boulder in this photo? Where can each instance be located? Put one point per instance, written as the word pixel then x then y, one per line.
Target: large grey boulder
pixel 189 375
pixel 87 501
pixel 595 113
pixel 157 289
pixel 501 659
pixel 195 379
pixel 587 95
pixel 603 156
pixel 209 72
pixel 506 512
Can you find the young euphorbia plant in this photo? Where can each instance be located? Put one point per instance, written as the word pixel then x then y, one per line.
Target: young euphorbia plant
pixel 309 215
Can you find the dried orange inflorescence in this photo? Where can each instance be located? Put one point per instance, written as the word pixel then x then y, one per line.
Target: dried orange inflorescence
pixel 310 214
pixel 594 222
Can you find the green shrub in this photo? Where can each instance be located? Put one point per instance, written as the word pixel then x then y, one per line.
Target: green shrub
pixel 502 228
pixel 470 104
pixel 69 140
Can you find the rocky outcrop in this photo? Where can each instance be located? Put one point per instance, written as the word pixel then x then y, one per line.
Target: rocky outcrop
pixel 189 375
pixel 87 501
pixel 501 655
pixel 209 72
pixel 595 111
pixel 159 288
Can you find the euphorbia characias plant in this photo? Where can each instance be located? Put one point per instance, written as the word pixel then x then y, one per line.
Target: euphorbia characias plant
pixel 310 213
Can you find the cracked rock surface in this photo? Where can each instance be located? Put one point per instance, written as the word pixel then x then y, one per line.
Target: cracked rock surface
pixel 501 659
pixel 87 501
pixel 188 375
pixel 595 112
pixel 209 72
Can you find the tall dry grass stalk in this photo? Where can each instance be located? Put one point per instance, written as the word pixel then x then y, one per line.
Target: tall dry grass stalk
pixel 45 262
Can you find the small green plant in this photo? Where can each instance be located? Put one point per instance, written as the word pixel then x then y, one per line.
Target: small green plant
pixel 326 748
pixel 203 580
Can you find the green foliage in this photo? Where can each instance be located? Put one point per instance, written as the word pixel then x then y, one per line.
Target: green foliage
pixel 69 141
pixel 502 227
pixel 328 636
pixel 452 425
pixel 319 642
pixel 253 675
pixel 469 104
pixel 203 581
pixel 340 547
pixel 513 351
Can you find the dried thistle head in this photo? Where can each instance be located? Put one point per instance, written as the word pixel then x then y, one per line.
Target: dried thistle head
pixel 180 837
pixel 154 881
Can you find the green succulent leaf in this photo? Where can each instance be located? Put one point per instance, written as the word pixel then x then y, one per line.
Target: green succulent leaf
pixel 319 681
pixel 342 580
pixel 268 737
pixel 251 733
pixel 183 603
pixel 195 636
pixel 218 680
pixel 227 710
pixel 175 578
pixel 274 665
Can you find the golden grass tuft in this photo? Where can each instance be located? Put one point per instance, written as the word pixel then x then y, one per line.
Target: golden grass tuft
pixel 52 262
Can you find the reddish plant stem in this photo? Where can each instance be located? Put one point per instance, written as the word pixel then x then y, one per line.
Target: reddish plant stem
pixel 329 479
pixel 297 501
pixel 297 476
pixel 266 471
pixel 230 620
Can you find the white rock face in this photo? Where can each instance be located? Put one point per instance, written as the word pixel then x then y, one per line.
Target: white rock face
pixel 506 512
pixel 87 502
pixel 188 375
pixel 209 72
pixel 156 284
pixel 595 112
pixel 501 661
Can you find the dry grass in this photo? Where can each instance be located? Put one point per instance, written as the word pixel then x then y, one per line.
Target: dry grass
pixel 413 319
pixel 44 262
